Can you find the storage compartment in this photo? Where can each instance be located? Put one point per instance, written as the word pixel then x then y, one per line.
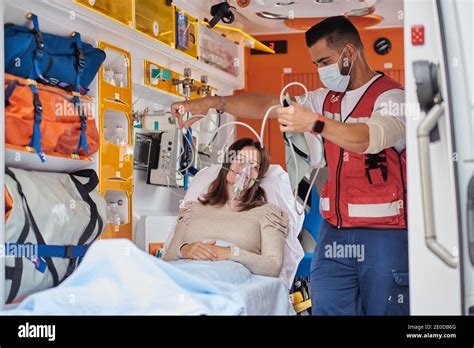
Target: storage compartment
pixel 159 77
pixel 116 152
pixel 115 76
pixel 117 207
pixel 116 162
pixel 116 68
pixel 120 10
pixel 156 19
pixel 119 212
pixel 216 50
pixel 186 27
pixel 115 128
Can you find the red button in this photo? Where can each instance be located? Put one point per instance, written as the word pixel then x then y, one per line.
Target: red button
pixel 418 35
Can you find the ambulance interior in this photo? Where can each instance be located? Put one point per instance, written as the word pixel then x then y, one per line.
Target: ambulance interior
pixel 160 52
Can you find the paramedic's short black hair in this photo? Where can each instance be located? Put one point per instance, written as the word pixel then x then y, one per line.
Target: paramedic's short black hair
pixel 336 30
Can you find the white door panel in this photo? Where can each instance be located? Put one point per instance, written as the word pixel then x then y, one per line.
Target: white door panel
pixel 459 32
pixel 434 286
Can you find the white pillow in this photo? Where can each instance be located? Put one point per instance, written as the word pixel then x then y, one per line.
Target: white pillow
pixel 276 184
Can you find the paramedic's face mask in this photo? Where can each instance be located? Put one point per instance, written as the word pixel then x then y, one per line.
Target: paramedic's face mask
pixel 331 76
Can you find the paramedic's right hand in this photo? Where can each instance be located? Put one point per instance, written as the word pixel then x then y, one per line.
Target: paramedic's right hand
pixel 196 107
pixel 199 251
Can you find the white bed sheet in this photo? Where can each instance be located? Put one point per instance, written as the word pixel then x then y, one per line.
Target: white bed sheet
pixel 115 277
pixel 261 295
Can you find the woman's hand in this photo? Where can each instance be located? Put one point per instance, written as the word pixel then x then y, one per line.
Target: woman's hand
pixel 200 251
pixel 222 252
pixel 205 251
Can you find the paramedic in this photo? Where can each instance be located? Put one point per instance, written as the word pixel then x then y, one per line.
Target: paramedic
pixel 360 264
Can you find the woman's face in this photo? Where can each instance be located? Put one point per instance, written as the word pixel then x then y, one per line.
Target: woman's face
pixel 248 156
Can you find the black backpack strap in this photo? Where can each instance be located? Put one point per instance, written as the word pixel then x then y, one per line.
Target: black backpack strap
pixel 84 192
pixel 34 226
pixel 96 219
pixel 9 91
pixel 14 274
pixel 91 175
pixel 297 150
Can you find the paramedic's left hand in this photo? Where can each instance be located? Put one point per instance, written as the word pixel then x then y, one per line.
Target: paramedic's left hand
pixel 295 118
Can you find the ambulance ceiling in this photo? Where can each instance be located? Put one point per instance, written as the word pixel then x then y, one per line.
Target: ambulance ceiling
pixel 249 18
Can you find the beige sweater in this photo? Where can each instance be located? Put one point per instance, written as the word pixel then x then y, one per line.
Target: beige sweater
pixel 256 236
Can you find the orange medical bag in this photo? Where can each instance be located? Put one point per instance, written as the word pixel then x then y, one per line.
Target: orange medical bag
pixel 49 120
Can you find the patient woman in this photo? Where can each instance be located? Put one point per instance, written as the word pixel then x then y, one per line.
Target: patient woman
pixel 246 229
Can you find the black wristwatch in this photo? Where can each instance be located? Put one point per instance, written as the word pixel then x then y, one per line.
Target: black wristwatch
pixel 318 125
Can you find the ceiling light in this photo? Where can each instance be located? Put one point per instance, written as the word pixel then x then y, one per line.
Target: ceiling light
pixel 359 12
pixel 361 8
pixel 323 1
pixel 284 3
pixel 269 15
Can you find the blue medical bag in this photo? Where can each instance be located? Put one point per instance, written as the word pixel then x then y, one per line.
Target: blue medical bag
pixel 54 60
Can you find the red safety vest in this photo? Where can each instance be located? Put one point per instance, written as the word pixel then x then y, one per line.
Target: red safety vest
pixel 363 190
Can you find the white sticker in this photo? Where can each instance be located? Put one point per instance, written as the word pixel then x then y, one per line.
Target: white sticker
pixel 156 28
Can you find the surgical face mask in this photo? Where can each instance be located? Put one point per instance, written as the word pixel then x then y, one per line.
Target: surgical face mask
pixel 332 78
pixel 244 179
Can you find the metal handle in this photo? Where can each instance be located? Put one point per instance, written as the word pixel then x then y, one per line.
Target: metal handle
pixel 470 217
pixel 423 135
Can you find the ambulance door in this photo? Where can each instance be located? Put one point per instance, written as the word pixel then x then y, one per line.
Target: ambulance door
pixel 432 162
pixel 456 19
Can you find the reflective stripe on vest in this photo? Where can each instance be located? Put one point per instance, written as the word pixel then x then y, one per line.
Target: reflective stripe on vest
pixel 324 204
pixel 375 210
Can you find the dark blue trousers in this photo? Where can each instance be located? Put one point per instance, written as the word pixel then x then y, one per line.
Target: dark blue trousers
pixel 360 271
